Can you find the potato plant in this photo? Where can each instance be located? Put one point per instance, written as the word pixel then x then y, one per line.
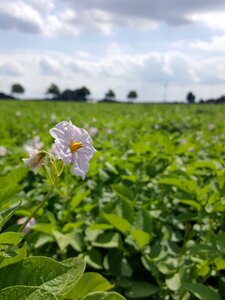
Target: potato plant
pixel 148 220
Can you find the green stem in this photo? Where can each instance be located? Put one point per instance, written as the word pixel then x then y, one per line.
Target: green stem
pixel 48 175
pixel 41 204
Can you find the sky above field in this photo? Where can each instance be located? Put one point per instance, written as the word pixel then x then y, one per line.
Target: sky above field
pixel 162 48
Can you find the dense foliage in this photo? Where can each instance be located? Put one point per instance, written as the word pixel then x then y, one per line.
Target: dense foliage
pixel 150 214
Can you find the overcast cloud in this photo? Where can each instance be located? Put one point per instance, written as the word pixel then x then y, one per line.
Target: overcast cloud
pixel 119 44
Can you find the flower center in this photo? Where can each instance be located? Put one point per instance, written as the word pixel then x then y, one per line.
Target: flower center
pixel 75 146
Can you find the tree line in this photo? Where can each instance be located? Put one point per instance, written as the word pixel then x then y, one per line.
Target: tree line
pixel 80 94
pixel 191 99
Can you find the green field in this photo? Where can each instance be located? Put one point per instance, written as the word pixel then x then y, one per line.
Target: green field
pixel 150 215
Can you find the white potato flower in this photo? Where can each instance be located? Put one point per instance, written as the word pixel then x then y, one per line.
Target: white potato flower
pixel 93 131
pixel 74 146
pixel 35 160
pixel 3 151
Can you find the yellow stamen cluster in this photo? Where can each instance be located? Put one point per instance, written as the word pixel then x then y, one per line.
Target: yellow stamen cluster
pixel 75 146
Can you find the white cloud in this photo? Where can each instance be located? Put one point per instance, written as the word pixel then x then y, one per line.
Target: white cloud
pixel 147 73
pixel 17 15
pixel 216 44
pixel 52 17
pixel 11 69
pixel 212 20
pixel 50 66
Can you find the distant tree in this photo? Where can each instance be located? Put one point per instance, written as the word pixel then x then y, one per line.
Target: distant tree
pixel 4 96
pixel 190 98
pixel 132 95
pixel 53 90
pixel 83 93
pixel 110 95
pixel 17 88
pixel 80 94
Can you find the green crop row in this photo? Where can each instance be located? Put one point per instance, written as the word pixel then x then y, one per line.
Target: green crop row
pixel 150 215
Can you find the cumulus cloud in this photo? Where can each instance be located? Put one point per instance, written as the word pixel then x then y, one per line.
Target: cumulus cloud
pixel 216 44
pixel 51 17
pixel 147 13
pixel 17 15
pixel 212 20
pixel 147 72
pixel 50 66
pixel 11 69
pixel 33 17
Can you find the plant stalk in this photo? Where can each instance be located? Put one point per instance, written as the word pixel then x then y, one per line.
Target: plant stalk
pixel 41 204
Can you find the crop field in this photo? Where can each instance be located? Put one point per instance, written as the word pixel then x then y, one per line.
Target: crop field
pixel 148 220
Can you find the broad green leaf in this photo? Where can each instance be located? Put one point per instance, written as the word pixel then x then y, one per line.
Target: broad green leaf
pixel 103 296
pixel 123 191
pixel 108 240
pixel 10 238
pixel 21 253
pixel 141 238
pixel 26 293
pixel 203 268
pixel 188 186
pixel 89 282
pixel 6 215
pixel 13 177
pixel 173 283
pixel 78 198
pixel 214 165
pixel 93 258
pixel 8 192
pixel 101 226
pixel 118 222
pixel 46 273
pixel 201 291
pixel 141 289
pixel 64 240
pixel 44 228
pixel 220 242
pixel 126 269
pixel 126 210
pixel 43 239
pixel 191 203
pixel 220 263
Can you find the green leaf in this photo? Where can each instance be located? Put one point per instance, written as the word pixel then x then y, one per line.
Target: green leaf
pixel 220 263
pixel 94 258
pixel 141 238
pixel 21 253
pixel 44 228
pixel 103 296
pixel 46 273
pixel 13 177
pixel 64 240
pixel 8 192
pixel 11 238
pixel 26 293
pixel 6 215
pixel 100 226
pixel 201 291
pixel 118 222
pixel 141 289
pixel 220 242
pixel 123 191
pixel 188 186
pixel 191 203
pixel 174 283
pixel 89 282
pixel 78 198
pixel 108 240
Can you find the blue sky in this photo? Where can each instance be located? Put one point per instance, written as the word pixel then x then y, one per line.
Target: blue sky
pixel 145 45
